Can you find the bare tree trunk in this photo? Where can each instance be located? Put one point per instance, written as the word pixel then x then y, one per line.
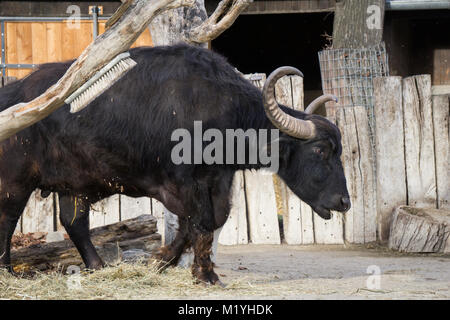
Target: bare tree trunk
pixel 358 23
pixel 174 26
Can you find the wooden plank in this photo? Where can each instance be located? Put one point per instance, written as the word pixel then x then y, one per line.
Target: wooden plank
pixel 442 145
pixel 68 42
pixel 288 204
pixel 158 212
pixel 39 42
pixel 54 39
pixel 234 231
pixel 391 175
pixel 419 146
pixel 38 214
pixel 262 210
pixel 367 171
pixel 144 39
pixel 347 125
pixel 357 160
pixel 24 47
pixel 292 224
pixel 133 207
pixel 328 231
pixel 105 212
pixel 307 223
pixel 82 37
pixel 11 46
pixel 112 209
pixel 297 93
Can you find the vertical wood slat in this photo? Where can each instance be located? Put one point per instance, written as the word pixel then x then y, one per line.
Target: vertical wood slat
pixel 11 46
pixel 391 174
pixel 50 41
pixel 158 213
pixel 289 92
pixel 105 212
pixel 441 108
pixel 261 199
pixel 262 209
pixel 357 159
pixel 24 46
pixel 133 207
pixel 234 231
pixel 419 146
pixel 39 42
pixel 291 204
pixel 38 213
pixel 54 36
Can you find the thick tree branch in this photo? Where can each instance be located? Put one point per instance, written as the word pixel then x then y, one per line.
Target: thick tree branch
pixel 222 18
pixel 115 40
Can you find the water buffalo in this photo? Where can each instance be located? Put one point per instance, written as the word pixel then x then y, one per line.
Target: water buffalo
pixel 121 143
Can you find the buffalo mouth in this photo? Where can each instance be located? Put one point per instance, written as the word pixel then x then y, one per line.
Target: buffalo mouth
pixel 323 212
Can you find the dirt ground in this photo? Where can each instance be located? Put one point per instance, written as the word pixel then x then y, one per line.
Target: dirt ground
pixel 255 272
pixel 334 272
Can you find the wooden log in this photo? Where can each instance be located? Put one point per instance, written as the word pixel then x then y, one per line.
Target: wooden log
pixel 391 175
pixel 139 232
pixel 420 230
pixel 419 145
pixel 442 149
pixel 358 162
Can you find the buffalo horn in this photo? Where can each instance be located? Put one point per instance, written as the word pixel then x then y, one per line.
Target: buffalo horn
pixel 302 129
pixel 311 108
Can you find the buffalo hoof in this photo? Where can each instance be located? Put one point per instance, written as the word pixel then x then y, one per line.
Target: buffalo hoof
pixel 207 278
pixel 163 258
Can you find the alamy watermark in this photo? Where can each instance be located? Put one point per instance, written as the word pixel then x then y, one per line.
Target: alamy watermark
pixel 74 279
pixel 373 20
pixel 236 146
pixel 373 282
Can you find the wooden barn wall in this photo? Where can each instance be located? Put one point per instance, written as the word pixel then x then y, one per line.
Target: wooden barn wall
pixel 40 42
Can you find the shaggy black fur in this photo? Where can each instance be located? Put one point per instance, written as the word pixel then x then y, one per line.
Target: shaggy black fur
pixel 121 143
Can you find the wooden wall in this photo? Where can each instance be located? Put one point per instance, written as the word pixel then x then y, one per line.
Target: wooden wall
pixel 40 42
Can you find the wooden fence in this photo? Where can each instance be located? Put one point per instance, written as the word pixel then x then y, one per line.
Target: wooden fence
pixel 35 42
pixel 409 164
pixel 412 147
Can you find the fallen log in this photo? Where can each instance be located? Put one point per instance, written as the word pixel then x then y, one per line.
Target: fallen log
pixel 420 230
pixel 138 234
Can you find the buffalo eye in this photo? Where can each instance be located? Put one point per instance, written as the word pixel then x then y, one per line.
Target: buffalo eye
pixel 319 151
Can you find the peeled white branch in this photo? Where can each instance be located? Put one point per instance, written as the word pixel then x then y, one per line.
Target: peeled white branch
pixel 222 18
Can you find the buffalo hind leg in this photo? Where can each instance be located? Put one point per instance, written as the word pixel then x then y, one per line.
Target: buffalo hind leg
pixel 11 208
pixel 203 267
pixel 75 219
pixel 170 254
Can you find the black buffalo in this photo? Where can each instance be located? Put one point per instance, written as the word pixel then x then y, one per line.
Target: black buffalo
pixel 121 143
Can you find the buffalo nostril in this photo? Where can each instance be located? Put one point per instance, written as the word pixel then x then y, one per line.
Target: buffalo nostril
pixel 345 201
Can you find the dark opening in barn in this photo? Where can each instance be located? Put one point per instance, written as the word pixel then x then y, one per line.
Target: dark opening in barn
pixel 262 43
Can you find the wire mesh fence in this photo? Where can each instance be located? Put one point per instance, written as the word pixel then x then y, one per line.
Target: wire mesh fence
pixel 349 74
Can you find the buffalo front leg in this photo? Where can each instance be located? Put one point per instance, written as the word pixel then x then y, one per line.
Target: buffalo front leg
pixel 75 219
pixel 11 208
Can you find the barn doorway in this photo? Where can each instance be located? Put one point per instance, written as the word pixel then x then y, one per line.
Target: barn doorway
pixel 262 43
